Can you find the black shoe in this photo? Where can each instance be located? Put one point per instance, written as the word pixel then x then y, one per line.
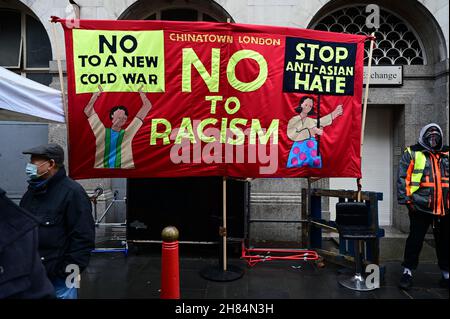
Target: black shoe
pixel 405 281
pixel 443 283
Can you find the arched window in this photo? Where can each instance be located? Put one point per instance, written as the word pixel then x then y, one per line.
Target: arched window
pixel 181 14
pixel 25 46
pixel 396 44
pixel 177 10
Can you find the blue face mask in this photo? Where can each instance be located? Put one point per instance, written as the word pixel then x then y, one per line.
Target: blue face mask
pixel 32 170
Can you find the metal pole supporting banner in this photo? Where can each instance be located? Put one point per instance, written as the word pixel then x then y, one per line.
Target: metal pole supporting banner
pixel 61 83
pixel 224 223
pixel 224 272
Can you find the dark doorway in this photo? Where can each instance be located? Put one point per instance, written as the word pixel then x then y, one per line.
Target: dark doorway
pixel 192 204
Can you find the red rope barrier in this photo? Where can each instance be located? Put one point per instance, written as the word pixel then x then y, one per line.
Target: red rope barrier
pixel 290 254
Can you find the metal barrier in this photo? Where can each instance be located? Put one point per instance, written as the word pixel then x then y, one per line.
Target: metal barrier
pixel 99 223
pixel 253 255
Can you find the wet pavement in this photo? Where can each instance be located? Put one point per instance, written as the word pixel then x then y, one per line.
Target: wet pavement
pixel 136 276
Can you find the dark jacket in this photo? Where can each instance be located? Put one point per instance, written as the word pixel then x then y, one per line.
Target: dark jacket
pixel 66 231
pixel 432 196
pixel 22 274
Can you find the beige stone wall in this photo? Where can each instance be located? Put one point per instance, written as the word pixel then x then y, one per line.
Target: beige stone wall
pixel 291 13
pixel 423 85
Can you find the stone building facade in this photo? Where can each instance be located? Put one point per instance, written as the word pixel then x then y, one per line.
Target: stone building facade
pixel 412 34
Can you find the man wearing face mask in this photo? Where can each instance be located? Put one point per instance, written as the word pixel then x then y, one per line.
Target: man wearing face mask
pixel 64 212
pixel 422 186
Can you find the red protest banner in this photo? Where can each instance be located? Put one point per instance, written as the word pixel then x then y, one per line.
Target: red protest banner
pixel 168 99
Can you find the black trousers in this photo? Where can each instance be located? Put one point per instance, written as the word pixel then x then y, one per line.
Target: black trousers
pixel 419 224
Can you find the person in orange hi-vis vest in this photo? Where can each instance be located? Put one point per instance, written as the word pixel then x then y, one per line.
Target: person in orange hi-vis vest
pixel 422 186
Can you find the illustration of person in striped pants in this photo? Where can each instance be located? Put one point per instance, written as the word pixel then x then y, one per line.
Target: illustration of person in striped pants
pixel 113 144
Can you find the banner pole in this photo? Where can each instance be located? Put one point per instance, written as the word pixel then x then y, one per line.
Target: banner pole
pixel 223 272
pixel 224 212
pixel 366 93
pixel 318 124
pixel 61 83
pixel 61 80
pixel 224 223
pixel 366 96
pixel 228 272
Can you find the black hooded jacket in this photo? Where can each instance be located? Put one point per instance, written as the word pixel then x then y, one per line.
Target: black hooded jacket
pixel 432 196
pixel 22 274
pixel 67 230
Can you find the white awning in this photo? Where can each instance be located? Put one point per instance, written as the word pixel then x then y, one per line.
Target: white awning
pixel 21 95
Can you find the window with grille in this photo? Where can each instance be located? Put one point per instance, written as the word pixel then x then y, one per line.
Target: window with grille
pixel 396 44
